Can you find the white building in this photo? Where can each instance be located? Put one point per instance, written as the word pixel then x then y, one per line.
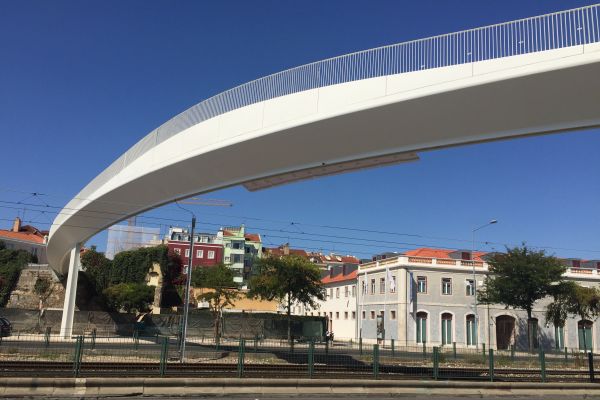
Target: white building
pixel 434 303
pixel 339 305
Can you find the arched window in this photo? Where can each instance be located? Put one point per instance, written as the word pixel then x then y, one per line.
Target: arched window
pixel 421 327
pixel 471 330
pixel 584 330
pixel 446 328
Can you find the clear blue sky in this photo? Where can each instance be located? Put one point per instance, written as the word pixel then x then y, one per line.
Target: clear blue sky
pixel 80 82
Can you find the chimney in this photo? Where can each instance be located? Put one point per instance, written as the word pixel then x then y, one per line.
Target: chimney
pixel 16 225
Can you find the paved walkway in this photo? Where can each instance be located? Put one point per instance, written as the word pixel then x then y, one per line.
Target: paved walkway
pixel 105 387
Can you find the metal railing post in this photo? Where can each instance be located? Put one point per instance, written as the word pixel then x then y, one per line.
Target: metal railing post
pixel 454 349
pixel 164 354
pixel 542 365
pixel 491 361
pixel 591 366
pixel 436 362
pixel 376 361
pixel 512 352
pixel 483 352
pixel 424 350
pixel 292 345
pixel 136 339
pixel 392 344
pixel 311 358
pixel 327 346
pixel 566 356
pixel 47 337
pixel 241 354
pixel 77 355
pixel 93 338
pixel 360 345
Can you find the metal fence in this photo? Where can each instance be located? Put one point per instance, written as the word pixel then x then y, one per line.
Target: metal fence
pixel 93 355
pixel 551 31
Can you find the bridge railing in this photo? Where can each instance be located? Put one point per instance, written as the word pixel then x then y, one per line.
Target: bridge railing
pixel 551 31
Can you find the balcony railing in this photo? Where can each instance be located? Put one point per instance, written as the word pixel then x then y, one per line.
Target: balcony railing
pixel 551 31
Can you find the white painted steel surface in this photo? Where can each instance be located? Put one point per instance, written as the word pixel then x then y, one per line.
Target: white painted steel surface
pixel 531 76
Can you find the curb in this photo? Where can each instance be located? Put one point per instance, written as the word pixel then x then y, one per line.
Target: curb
pixel 103 387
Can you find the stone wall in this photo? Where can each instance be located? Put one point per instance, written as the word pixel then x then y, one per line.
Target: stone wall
pixel 23 295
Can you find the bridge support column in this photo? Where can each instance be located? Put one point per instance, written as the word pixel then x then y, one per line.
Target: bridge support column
pixel 66 325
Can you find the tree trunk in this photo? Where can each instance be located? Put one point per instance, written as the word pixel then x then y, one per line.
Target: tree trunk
pixel 217 326
pixel 289 319
pixel 529 332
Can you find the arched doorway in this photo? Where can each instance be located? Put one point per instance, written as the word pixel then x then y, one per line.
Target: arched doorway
pixel 505 331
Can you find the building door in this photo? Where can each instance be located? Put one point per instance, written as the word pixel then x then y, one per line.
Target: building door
pixel 505 331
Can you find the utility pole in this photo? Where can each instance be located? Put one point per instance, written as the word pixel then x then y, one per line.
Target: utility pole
pixel 186 305
pixel 188 284
pixel 476 315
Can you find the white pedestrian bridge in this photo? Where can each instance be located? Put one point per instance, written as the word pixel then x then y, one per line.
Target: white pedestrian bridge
pixel 375 107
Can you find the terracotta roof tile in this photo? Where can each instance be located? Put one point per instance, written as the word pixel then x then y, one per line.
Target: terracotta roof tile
pixel 340 278
pixel 24 236
pixel 440 253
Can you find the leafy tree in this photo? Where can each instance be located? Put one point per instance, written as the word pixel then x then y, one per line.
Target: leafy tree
pixel 42 288
pixel 519 278
pixel 222 290
pixel 288 279
pixel 572 299
pixel 131 267
pixel 130 297
pixel 11 264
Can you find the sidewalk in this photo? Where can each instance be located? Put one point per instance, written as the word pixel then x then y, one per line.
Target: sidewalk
pixel 105 387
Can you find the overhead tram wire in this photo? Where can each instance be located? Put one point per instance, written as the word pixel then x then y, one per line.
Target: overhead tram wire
pixel 379 244
pixel 374 231
pixel 280 230
pixel 374 242
pixel 291 223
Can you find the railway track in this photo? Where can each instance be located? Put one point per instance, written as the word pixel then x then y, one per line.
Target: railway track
pixel 88 369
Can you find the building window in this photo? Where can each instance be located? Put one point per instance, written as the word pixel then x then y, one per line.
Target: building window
pixel 446 286
pixel 178 252
pixel 364 287
pixel 372 314
pixel 345 314
pixel 337 293
pixel 446 328
pixel 559 337
pixel 331 292
pixel 470 287
pixel 364 315
pixel 584 331
pixel 199 253
pixel 211 255
pixel 330 315
pixel 393 284
pixel 187 252
pixel 471 331
pixel 346 291
pixel 421 327
pixel 337 315
pixel 393 314
pixel 353 290
pixel 372 286
pixel 382 285
pixel 421 284
pixel 353 314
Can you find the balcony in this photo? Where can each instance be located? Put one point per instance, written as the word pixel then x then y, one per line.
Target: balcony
pixel 442 262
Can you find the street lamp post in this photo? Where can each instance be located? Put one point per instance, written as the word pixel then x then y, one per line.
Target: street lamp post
pixel 476 315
